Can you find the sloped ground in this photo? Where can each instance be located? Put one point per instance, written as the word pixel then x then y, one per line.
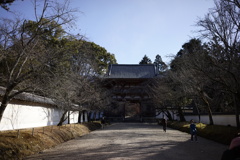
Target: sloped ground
pixel 134 141
pixel 221 134
pixel 19 144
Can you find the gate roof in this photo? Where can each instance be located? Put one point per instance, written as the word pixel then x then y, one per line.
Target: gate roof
pixel 131 71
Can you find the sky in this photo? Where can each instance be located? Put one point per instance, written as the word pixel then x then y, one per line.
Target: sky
pixel 130 29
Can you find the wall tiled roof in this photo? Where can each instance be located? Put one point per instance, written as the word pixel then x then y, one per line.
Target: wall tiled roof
pixel 128 71
pixel 29 97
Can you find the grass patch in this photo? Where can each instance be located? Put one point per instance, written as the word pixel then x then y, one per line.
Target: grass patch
pixel 19 144
pixel 218 133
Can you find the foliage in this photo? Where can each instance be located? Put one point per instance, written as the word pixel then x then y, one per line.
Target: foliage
pixel 98 55
pixel 189 69
pixel 160 65
pixel 6 3
pixel 221 28
pixel 145 60
pixel 39 56
pixel 25 55
pixel 205 75
pixel 207 72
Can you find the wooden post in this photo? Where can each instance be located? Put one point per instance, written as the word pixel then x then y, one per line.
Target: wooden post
pixel 33 132
pixel 18 134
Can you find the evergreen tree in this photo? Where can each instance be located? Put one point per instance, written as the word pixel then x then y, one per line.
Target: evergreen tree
pixel 160 65
pixel 145 60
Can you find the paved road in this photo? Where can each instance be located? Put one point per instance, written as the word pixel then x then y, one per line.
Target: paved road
pixel 134 141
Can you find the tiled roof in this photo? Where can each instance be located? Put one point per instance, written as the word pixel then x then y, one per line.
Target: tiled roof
pixel 29 97
pixel 131 71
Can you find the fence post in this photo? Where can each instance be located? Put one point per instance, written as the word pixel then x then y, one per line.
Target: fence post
pixel 33 132
pixel 18 134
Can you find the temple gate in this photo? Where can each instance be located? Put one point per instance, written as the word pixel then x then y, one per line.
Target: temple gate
pixel 128 84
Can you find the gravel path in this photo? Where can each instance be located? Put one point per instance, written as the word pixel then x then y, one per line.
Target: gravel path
pixel 134 141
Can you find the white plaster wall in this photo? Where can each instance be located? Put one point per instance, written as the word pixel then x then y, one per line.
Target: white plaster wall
pixel 22 116
pixel 217 119
pixel 162 115
pixel 74 116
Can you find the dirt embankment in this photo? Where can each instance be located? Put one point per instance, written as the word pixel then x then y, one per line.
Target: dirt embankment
pixel 21 143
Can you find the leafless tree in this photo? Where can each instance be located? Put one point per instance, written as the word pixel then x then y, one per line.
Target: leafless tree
pixel 193 84
pixel 77 88
pixel 25 56
pixel 221 27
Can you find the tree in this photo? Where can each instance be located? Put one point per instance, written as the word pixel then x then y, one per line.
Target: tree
pixel 160 65
pixel 190 68
pixel 145 60
pixel 73 92
pixel 162 95
pixel 48 30
pixel 101 57
pixel 25 56
pixel 73 83
pixel 5 3
pixel 221 27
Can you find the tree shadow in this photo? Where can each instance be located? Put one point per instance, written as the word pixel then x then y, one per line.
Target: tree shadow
pixel 142 142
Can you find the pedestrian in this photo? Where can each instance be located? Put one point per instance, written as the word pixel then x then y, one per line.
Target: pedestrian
pixel 164 124
pixel 233 152
pixel 103 122
pixel 193 131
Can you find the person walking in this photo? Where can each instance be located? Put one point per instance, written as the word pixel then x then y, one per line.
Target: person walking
pixel 164 124
pixel 103 122
pixel 193 131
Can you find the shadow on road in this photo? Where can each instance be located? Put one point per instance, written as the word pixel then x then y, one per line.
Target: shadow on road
pixel 140 141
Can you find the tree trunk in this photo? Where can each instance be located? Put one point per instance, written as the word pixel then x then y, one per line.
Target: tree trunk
pixel 5 101
pixel 79 116
pixel 181 115
pixel 209 112
pixel 63 118
pixel 168 114
pixel 199 116
pixel 208 109
pixel 69 117
pixel 236 100
pixel 210 115
pixel 2 109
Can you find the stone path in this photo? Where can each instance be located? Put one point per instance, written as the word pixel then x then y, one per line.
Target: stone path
pixel 134 141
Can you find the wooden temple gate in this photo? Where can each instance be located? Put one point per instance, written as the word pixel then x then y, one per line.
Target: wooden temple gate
pixel 128 84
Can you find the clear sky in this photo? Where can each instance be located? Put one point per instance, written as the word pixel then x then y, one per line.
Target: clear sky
pixel 131 29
